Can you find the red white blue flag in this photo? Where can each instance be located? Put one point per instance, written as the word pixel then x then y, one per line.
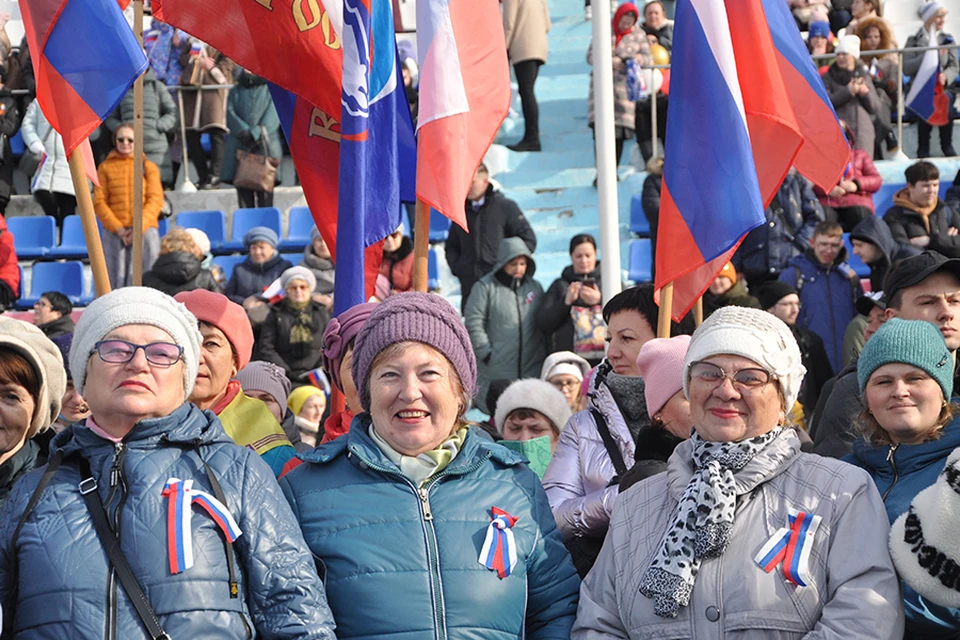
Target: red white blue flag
pixel 181 496
pixel 791 546
pixel 499 550
pixel 926 97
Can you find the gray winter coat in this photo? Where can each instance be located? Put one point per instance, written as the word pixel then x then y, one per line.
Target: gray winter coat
pixel 855 592
pixel 502 322
pixel 632 45
pixel 577 480
pixel 322 268
pixel 54 174
pixel 62 587
pixel 160 117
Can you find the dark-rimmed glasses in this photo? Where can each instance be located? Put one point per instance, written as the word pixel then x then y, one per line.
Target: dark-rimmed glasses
pixel 161 354
pixel 710 373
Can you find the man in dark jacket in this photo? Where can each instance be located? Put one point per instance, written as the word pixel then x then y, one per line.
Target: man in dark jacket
pixel 491 217
pixel 874 244
pixel 952 198
pixel 924 287
pixel 791 217
pixel 51 314
pixel 919 218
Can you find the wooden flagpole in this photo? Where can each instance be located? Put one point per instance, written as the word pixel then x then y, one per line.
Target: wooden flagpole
pixel 91 233
pixel 138 155
pixel 698 311
pixel 421 246
pixel 666 308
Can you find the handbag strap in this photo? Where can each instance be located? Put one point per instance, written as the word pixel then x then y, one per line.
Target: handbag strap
pixel 612 449
pixel 88 490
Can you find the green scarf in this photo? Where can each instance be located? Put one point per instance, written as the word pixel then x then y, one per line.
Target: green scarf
pixel 429 463
pixel 302 330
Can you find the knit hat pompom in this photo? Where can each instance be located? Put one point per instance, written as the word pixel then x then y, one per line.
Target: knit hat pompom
pixel 660 362
pixel 417 317
pixel 47 362
pixel 914 342
pixel 135 305
pixel 753 334
pixel 536 395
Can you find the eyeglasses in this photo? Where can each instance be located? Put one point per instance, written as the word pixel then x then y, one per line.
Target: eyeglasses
pixel 126 140
pixel 161 354
pixel 568 384
pixel 40 304
pixel 743 379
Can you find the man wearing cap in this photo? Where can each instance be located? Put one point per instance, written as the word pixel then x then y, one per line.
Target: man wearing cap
pixel 873 243
pixel 226 348
pixel 780 299
pixel 924 287
pixel 491 217
pixel 262 266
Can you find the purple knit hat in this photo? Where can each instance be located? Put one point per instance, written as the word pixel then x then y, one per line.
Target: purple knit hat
pixel 337 337
pixel 420 317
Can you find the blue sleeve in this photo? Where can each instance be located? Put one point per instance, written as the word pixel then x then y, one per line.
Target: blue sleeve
pixel 926 618
pixel 278 457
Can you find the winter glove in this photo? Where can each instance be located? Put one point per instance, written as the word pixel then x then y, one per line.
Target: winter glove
pixel 36 147
pixel 245 138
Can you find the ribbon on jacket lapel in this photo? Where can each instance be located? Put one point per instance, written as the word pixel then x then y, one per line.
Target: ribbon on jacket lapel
pixel 791 545
pixel 499 550
pixel 181 496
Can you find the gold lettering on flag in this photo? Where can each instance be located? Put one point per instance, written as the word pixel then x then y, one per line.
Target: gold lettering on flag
pixel 316 14
pixel 329 35
pixel 322 125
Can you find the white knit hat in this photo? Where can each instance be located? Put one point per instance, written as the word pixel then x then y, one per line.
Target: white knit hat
pixel 564 362
pixel 200 239
pixel 928 10
pixel 44 356
pixel 923 541
pixel 135 305
pixel 536 395
pixel 749 333
pixel 298 273
pixel 850 45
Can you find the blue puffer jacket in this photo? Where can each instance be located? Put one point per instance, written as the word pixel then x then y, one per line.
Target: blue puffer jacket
pixel 769 248
pixel 828 297
pixel 61 587
pixel 402 563
pixel 900 476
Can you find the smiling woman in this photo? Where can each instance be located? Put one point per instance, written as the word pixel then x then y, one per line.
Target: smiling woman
pixel 448 493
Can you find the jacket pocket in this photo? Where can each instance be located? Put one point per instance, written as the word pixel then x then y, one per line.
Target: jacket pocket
pixel 786 623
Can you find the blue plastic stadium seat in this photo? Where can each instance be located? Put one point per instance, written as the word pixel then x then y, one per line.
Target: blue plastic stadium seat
pixel 65 277
pixel 227 263
pixel 641 260
pixel 638 219
pixel 883 199
pixel 163 226
pixel 859 266
pixel 16 144
pixel 433 271
pixel 73 243
pixel 439 227
pixel 246 219
pixel 293 257
pixel 33 236
pixel 213 223
pixel 300 228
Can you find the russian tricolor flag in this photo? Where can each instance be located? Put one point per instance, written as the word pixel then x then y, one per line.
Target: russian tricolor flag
pixel 733 135
pixel 87 58
pixel 927 98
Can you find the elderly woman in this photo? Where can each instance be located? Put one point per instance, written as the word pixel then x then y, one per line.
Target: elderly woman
pixel 530 415
pixel 293 332
pixel 263 265
pixel 909 429
pixel 308 403
pixel 317 258
pixel 143 455
pixel 179 266
pixel 693 552
pixel 32 380
pixel 428 501
pixel 565 370
pixel 338 343
pixel 570 312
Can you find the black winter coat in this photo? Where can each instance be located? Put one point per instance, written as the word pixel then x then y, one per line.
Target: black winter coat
pixel 813 355
pixel 906 224
pixel 553 317
pixel 275 346
pixel 655 445
pixel 251 279
pixel 472 256
pixel 877 232
pixel 9 124
pixel 59 327
pixel 179 271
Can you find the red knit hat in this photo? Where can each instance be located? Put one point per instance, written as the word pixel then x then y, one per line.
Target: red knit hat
pixel 226 315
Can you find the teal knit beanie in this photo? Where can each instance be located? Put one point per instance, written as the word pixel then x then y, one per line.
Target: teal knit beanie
pixel 912 342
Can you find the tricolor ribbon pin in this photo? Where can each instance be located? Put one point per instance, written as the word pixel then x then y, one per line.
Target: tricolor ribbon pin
pixel 499 550
pixel 181 496
pixel 791 545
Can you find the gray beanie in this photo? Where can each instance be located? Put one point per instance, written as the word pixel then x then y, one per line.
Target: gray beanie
pixel 135 305
pixel 267 377
pixel 44 356
pixel 298 273
pixel 261 234
pixel 536 395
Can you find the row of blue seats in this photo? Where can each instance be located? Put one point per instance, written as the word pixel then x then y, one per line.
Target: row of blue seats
pixel 641 260
pixel 882 200
pixel 35 237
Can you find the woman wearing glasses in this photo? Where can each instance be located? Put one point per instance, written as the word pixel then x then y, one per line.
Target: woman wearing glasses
pixel 744 535
pixel 113 204
pixel 155 473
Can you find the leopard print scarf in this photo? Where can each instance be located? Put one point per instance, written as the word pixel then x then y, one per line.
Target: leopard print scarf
pixel 703 522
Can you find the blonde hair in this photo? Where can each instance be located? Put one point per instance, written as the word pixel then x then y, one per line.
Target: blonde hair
pixel 876 436
pixel 178 239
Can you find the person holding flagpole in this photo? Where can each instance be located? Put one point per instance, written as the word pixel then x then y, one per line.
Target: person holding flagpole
pixel 744 534
pixel 934 15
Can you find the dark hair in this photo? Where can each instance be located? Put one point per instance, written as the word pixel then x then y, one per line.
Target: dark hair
pixel 58 302
pixel 920 171
pixel 582 238
pixel 827 228
pixel 640 299
pixel 524 413
pixel 16 369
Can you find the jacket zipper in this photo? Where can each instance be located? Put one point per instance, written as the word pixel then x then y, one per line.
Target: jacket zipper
pixel 430 536
pixel 117 482
pixel 516 295
pixel 891 458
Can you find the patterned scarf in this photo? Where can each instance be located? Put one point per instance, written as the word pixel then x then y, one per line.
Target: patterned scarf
pixel 703 522
pixel 301 333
